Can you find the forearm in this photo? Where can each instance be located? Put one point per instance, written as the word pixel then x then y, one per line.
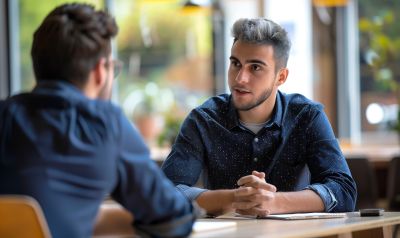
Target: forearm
pixel 216 202
pixel 300 201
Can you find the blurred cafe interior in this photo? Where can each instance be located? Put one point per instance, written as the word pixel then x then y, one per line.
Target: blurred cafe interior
pixel 345 54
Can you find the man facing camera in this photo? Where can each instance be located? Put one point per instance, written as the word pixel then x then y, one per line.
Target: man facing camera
pixel 66 145
pixel 261 151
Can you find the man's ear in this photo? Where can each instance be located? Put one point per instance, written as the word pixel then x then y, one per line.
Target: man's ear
pixel 282 76
pixel 96 80
pixel 99 73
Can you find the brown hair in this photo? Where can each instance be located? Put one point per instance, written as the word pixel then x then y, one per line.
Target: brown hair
pixel 70 41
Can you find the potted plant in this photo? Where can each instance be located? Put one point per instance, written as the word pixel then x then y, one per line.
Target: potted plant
pixel 170 131
pixel 150 104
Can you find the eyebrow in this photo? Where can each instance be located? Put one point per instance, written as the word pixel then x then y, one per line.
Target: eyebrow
pixel 249 61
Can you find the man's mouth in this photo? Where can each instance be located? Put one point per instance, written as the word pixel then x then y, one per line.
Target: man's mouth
pixel 241 91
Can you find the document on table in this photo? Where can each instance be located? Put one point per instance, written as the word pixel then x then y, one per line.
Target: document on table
pixel 201 226
pixel 301 216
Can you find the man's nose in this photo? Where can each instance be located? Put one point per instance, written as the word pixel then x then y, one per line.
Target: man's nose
pixel 243 76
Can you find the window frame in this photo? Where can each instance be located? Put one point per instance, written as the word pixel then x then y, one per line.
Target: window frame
pixel 348 69
pixel 4 54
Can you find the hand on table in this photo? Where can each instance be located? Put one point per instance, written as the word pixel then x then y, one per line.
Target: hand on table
pixel 254 196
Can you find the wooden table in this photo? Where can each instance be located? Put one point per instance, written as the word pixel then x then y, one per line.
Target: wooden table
pixel 114 221
pixel 351 226
pixel 379 156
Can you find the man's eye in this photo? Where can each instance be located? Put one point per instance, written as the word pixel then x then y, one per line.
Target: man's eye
pixel 235 63
pixel 255 67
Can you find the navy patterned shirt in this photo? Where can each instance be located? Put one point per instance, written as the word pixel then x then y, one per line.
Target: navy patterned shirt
pixel 296 149
pixel 68 152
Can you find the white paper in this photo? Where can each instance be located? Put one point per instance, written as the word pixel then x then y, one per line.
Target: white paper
pixel 201 226
pixel 305 216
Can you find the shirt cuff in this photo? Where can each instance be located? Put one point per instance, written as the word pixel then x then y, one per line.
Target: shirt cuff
pixel 328 198
pixel 190 192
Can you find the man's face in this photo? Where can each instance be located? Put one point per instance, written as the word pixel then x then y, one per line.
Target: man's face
pixel 251 75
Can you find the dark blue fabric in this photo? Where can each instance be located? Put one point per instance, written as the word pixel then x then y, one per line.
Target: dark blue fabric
pixel 70 152
pixel 296 149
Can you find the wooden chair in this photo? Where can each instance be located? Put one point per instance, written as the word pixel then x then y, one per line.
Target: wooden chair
pixel 365 178
pixel 21 216
pixel 393 188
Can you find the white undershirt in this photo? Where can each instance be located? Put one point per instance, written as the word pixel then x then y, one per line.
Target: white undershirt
pixel 254 127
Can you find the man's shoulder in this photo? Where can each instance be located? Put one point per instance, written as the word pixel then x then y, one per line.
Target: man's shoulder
pixel 215 106
pixel 102 106
pixel 215 103
pixel 82 105
pixel 12 101
pixel 2 104
pixel 296 101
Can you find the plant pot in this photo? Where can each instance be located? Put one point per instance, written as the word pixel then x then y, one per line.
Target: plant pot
pixel 150 126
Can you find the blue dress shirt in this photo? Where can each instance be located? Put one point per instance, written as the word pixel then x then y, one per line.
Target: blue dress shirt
pixel 296 149
pixel 69 152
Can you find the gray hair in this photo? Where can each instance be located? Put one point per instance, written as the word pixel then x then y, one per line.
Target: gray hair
pixel 264 31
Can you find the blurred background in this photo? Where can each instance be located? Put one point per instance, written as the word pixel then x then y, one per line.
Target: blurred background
pixel 345 54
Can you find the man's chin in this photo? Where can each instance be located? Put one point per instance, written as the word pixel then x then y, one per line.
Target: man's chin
pixel 242 106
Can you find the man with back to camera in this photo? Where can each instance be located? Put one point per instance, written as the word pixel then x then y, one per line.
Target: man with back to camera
pixel 66 145
pixel 261 151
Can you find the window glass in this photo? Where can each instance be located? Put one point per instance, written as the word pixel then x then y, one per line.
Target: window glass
pixel 379 67
pixel 167 52
pixel 167 55
pixel 31 14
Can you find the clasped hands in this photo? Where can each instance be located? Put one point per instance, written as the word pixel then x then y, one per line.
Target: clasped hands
pixel 254 196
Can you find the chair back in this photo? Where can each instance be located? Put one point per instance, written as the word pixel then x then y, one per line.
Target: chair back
pixel 365 178
pixel 21 216
pixel 393 187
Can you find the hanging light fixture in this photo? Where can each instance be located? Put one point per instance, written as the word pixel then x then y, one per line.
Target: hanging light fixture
pixel 330 3
pixel 196 6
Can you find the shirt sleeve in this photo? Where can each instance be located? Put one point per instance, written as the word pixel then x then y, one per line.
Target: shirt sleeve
pixel 190 192
pixel 330 175
pixel 185 162
pixel 158 208
pixel 2 133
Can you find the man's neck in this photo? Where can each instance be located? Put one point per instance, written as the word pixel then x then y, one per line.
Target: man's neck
pixel 90 89
pixel 261 113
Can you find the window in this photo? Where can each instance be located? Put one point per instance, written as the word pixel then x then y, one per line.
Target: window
pixel 379 68
pixel 27 16
pixel 167 55
pixel 167 51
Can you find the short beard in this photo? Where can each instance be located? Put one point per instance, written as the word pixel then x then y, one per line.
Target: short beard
pixel 264 96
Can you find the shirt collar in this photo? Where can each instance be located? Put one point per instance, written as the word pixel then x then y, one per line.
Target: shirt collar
pixel 232 119
pixel 276 119
pixel 59 88
pixel 278 110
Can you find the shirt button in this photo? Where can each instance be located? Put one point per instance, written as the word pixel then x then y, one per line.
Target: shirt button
pixel 255 159
pixel 256 139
